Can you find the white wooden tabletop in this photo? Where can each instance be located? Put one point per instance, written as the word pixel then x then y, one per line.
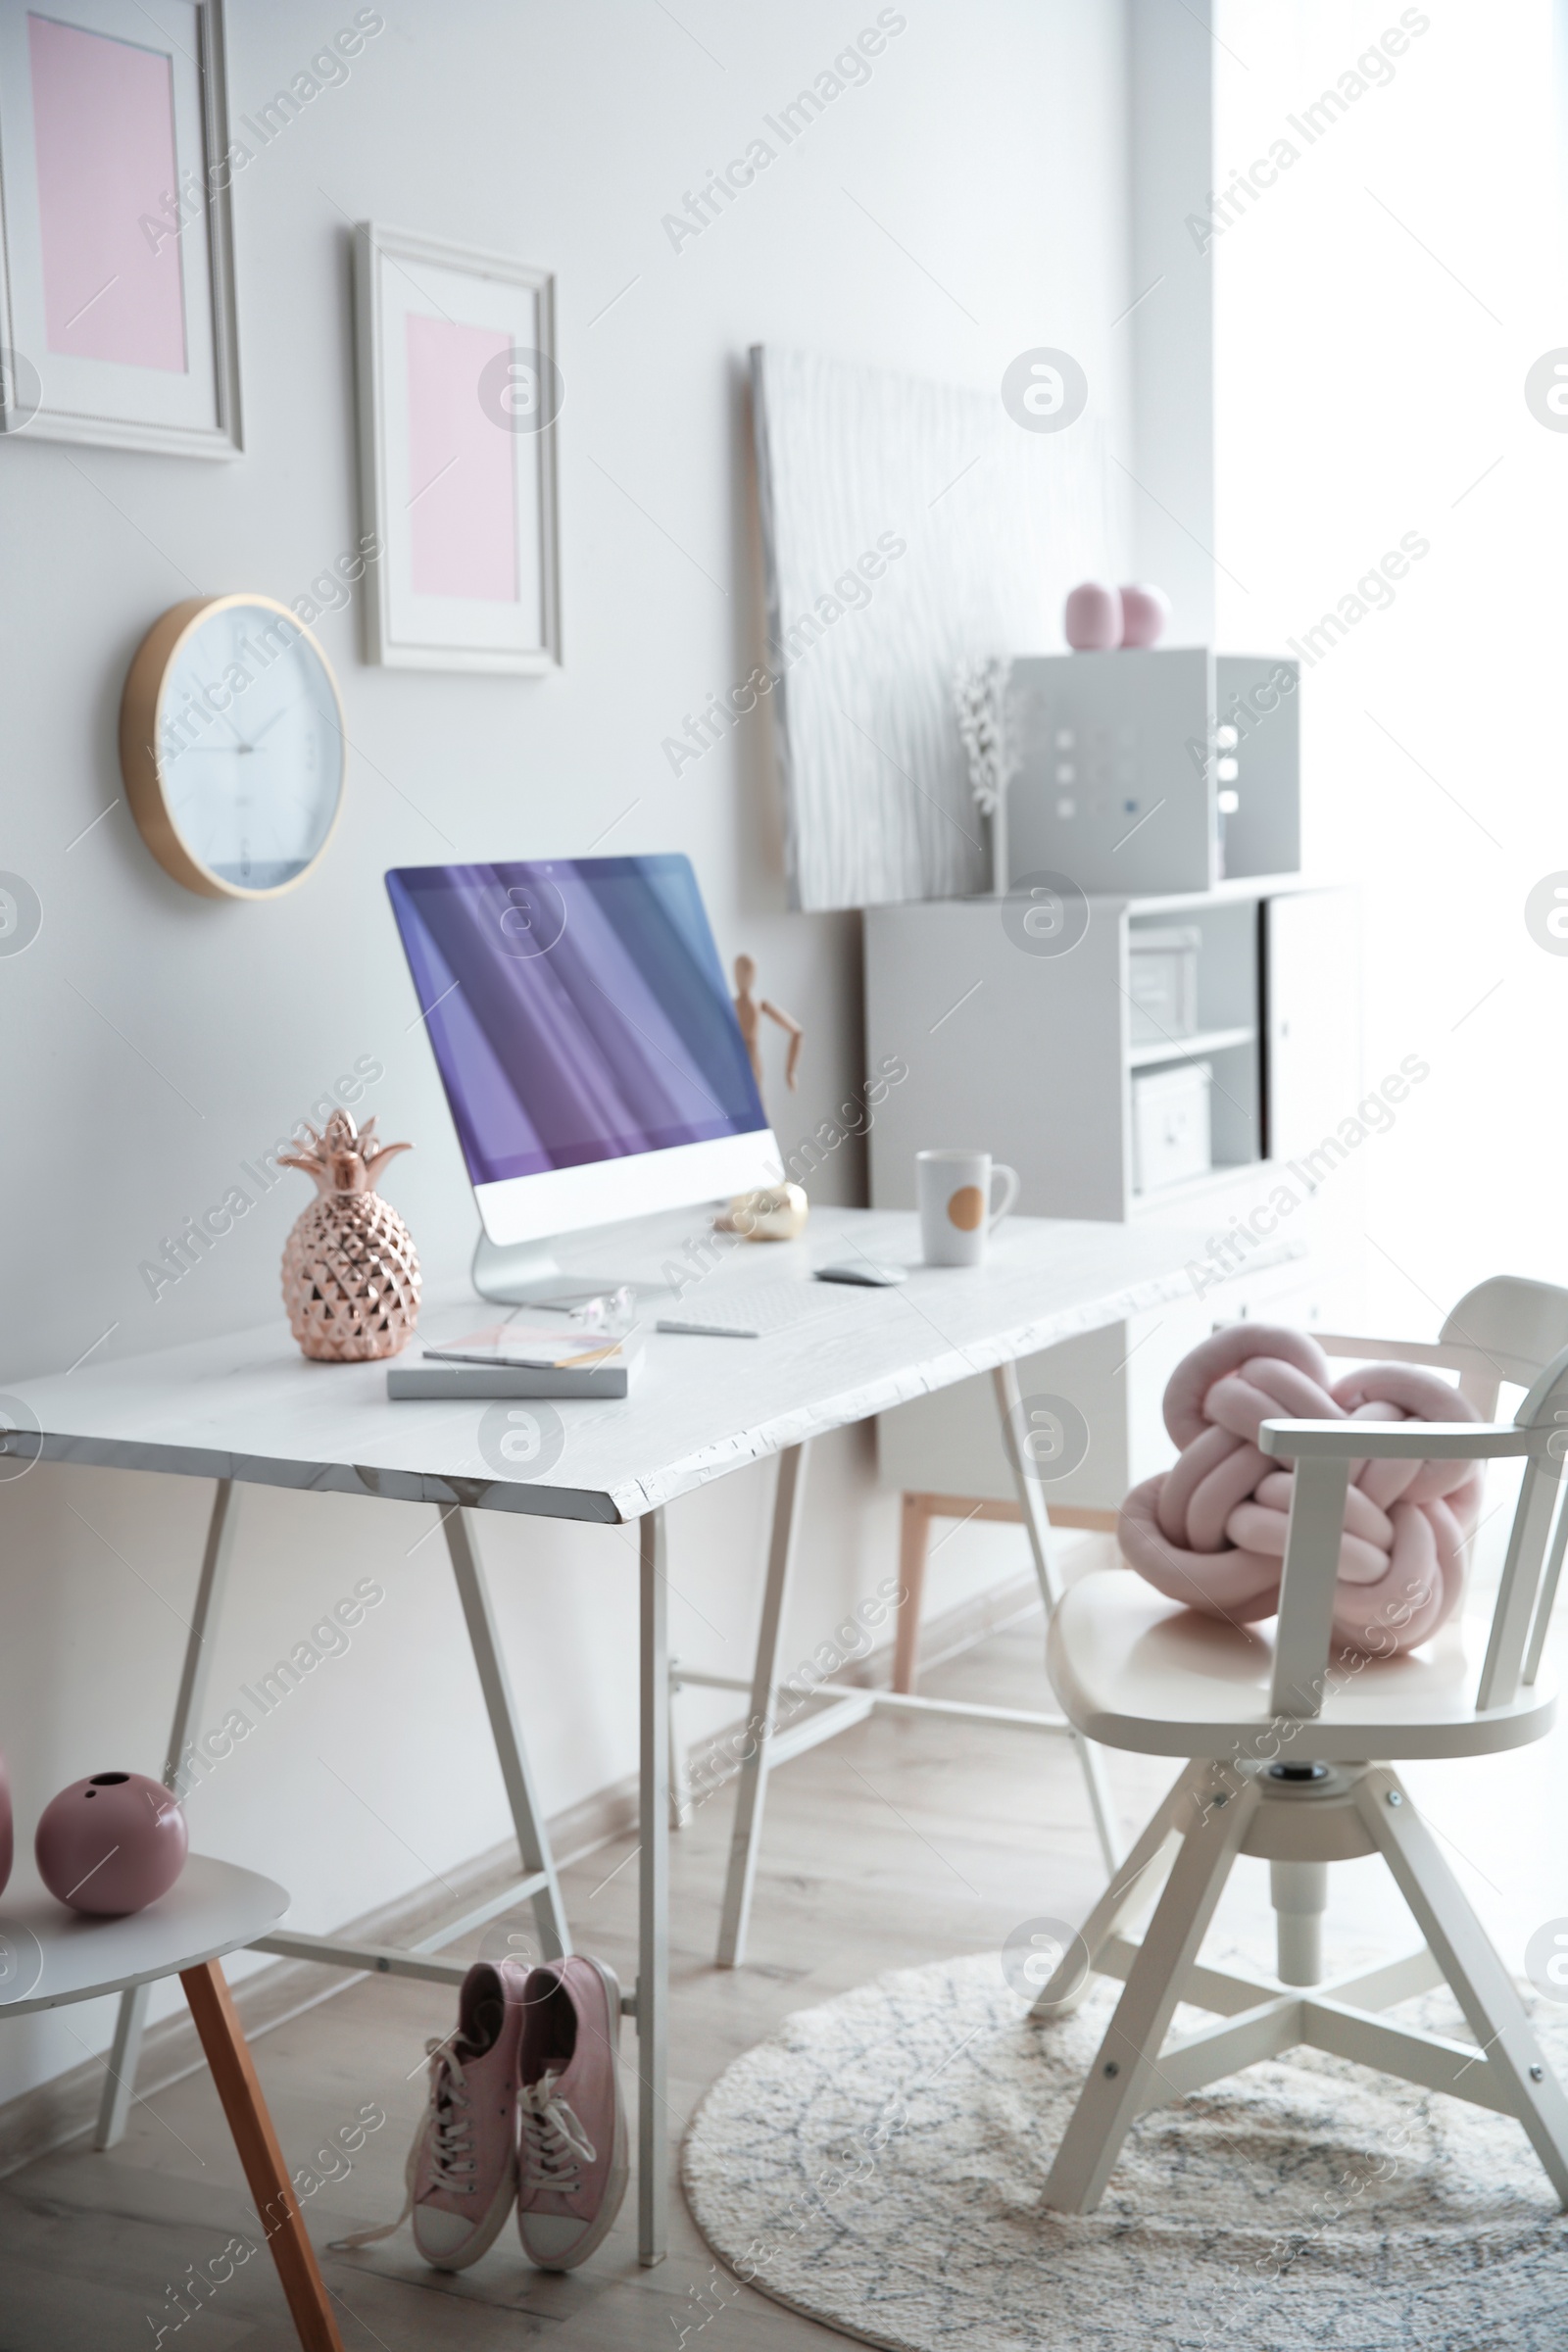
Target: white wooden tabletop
pixel 49 1955
pixel 248 1406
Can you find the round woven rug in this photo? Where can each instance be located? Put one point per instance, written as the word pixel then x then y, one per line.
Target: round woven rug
pixel 878 2165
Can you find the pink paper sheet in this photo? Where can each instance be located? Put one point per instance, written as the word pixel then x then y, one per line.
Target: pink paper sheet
pixel 103 120
pixel 462 510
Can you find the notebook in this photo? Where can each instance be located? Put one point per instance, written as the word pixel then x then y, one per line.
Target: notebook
pixel 556 1357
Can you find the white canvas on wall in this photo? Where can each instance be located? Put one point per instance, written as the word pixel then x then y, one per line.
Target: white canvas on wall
pixel 906 526
pixel 459 393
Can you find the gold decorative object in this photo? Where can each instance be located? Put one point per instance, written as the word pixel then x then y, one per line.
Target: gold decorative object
pixel 748 1012
pixel 351 1273
pixel 776 1214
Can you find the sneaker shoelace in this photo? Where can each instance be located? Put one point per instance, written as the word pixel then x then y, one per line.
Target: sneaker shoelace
pixel 454 2158
pixel 555 2146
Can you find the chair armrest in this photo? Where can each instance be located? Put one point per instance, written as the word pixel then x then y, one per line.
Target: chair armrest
pixel 1453 1357
pixel 1398 1440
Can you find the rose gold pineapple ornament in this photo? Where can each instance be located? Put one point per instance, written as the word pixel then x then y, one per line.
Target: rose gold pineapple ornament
pixel 351 1273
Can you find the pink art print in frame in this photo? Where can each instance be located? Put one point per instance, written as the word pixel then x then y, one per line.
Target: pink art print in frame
pixel 102 115
pixel 117 309
pixel 460 488
pixel 460 397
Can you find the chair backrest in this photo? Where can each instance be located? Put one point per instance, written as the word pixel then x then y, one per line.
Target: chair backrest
pixel 1506 1329
pixel 1503 1330
pixel 1516 1327
pixel 1528 1585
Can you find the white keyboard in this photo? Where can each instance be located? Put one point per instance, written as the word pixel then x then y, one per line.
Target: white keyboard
pixel 756 1311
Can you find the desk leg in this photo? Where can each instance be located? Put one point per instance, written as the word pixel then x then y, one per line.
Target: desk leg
pixel 212 2005
pixel 120 2086
pixel 652 1900
pixel 752 1793
pixel 1036 1519
pixel 533 1841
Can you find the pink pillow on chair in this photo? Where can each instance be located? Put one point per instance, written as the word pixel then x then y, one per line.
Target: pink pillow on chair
pixel 1211 1531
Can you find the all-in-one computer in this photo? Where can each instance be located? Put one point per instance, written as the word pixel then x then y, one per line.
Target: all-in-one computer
pixel 590 1052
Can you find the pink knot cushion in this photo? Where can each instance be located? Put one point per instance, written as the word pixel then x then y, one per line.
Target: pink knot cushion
pixel 1211 1531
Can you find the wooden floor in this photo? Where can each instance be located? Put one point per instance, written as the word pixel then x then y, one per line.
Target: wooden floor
pixel 898 1842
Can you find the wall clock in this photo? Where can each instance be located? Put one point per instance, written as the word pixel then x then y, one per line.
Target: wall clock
pixel 231 745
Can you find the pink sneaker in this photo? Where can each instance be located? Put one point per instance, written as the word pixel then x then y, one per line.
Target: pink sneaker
pixel 463 2166
pixel 571 2118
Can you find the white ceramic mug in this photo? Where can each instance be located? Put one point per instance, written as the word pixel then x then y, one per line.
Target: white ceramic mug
pixel 958 1216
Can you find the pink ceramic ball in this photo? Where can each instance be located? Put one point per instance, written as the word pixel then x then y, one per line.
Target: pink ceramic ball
pixel 1093 618
pixel 1145 615
pixel 111 1844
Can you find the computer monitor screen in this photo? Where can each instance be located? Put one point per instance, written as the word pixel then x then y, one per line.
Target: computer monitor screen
pixel 580 1022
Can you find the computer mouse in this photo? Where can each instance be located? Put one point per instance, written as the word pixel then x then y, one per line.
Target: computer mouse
pixel 862 1270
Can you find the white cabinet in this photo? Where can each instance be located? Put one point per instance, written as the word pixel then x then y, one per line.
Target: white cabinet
pixel 1028 1053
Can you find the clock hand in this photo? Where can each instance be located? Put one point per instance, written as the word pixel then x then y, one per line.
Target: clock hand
pixel 271 722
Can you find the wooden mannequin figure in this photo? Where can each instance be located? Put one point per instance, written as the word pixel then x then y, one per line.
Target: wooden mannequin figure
pixel 779 1212
pixel 748 1012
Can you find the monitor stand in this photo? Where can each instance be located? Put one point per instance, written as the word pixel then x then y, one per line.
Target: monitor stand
pixel 529 1274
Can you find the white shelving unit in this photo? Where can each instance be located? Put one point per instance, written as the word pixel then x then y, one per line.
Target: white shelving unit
pixel 1195 1048
pixel 1029 1056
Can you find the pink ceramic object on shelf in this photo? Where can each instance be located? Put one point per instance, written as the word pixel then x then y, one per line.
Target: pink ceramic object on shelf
pixel 7 1828
pixel 1145 615
pixel 111 1844
pixel 1092 620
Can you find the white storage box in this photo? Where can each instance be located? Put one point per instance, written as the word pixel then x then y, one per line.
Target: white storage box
pixel 1152 770
pixel 1170 1125
pixel 1162 982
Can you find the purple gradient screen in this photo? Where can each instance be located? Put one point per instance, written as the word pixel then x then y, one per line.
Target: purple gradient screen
pixel 577 1010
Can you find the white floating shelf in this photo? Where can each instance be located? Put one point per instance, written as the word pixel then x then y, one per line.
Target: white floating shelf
pixel 1195 1190
pixel 1189 1049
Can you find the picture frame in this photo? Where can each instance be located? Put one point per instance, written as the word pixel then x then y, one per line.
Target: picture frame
pixel 459 395
pixel 117 321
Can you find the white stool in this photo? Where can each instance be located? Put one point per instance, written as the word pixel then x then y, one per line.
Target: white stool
pixel 49 1956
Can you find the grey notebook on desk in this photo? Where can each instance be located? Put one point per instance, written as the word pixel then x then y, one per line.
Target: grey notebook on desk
pixel 506 1361
pixel 482 1381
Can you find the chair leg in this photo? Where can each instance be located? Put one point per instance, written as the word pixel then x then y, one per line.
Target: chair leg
pixel 1134 1882
pixel 1483 1985
pixel 211 2006
pixel 1299 1893
pixel 914 1545
pixel 1118 2081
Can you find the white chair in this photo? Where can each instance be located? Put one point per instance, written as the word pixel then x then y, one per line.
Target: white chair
pixel 1290 1754
pixel 49 1956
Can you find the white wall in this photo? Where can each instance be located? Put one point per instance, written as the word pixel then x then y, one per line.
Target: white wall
pixel 964 204
pixel 1170 461
pixel 1378 310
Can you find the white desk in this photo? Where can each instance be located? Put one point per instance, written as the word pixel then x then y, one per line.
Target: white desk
pixel 248 1409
